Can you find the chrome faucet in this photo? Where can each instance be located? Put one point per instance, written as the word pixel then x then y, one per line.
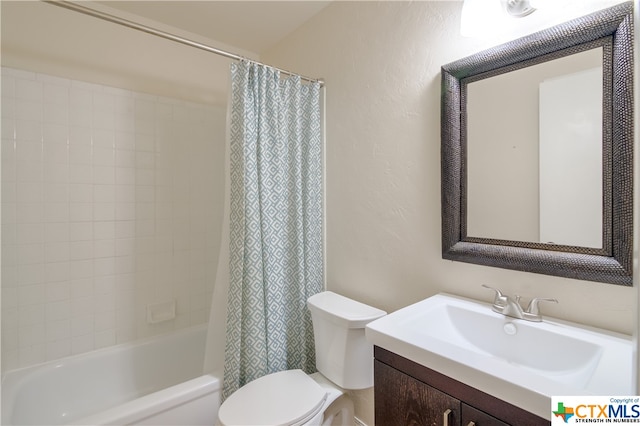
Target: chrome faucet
pixel 510 307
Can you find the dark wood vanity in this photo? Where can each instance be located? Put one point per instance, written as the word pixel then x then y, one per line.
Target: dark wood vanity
pixel 407 393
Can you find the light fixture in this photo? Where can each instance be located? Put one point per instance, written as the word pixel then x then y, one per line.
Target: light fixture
pixel 518 8
pixel 481 18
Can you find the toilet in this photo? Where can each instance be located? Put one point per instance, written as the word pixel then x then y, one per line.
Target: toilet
pixel 344 360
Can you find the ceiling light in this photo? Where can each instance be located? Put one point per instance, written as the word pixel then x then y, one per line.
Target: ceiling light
pixel 518 8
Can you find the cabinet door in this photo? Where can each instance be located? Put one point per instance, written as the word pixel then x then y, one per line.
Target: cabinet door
pixel 475 417
pixel 402 400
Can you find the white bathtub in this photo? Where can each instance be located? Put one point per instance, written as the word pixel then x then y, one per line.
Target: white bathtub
pixel 156 381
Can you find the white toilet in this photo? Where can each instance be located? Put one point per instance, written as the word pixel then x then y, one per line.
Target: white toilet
pixel 344 360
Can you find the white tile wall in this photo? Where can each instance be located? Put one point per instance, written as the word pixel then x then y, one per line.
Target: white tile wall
pixel 111 200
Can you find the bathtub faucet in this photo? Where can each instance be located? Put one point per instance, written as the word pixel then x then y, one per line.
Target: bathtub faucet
pixel 510 307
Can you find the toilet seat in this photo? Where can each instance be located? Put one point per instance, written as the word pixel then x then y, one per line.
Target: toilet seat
pixel 285 398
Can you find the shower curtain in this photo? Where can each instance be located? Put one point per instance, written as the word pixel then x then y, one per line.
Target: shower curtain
pixel 276 247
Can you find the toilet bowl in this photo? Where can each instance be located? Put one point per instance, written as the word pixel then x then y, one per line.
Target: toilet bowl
pixel 344 360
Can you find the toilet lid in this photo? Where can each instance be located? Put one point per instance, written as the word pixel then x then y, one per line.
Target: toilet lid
pixel 286 398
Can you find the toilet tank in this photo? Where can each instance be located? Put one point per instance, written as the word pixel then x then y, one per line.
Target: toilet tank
pixel 343 355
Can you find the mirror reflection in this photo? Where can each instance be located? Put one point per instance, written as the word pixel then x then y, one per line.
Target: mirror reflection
pixel 534 150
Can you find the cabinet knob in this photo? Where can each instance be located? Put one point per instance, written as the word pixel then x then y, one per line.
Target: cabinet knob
pixel 445 417
pixel 471 424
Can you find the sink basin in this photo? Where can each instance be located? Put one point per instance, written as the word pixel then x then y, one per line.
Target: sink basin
pixel 543 348
pixel 522 362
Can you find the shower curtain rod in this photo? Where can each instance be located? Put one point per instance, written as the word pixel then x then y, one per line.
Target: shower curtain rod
pixel 134 25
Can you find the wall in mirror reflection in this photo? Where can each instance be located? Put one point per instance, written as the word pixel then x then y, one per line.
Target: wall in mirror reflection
pixel 534 149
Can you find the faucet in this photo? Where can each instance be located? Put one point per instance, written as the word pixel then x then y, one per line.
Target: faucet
pixel 510 307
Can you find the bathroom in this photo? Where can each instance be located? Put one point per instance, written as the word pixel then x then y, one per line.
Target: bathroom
pixel 381 65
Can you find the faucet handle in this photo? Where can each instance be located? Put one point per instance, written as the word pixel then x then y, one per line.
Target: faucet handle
pixel 533 308
pixel 500 299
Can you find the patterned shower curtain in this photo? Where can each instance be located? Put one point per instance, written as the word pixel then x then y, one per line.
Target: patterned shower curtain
pixel 276 253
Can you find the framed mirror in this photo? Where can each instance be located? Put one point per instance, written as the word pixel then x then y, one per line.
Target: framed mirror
pixel 537 152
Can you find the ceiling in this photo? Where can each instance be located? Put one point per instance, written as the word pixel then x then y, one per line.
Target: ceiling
pixel 41 37
pixel 254 26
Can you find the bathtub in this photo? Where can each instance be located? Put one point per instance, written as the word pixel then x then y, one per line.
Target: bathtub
pixel 155 381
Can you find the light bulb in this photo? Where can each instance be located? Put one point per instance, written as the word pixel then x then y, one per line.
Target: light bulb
pixel 518 8
pixel 480 17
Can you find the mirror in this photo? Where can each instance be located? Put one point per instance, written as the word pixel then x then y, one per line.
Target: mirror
pixel 537 141
pixel 552 195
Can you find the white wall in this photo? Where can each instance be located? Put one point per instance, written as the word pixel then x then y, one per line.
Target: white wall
pixel 381 63
pixel 53 40
pixel 111 200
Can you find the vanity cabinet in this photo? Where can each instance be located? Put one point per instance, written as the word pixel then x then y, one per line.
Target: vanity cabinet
pixel 474 417
pixel 407 393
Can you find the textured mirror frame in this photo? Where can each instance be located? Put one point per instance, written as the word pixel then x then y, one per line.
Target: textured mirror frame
pixel 611 28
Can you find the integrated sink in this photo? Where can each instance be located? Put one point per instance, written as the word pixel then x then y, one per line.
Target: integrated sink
pixel 522 362
pixel 542 348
